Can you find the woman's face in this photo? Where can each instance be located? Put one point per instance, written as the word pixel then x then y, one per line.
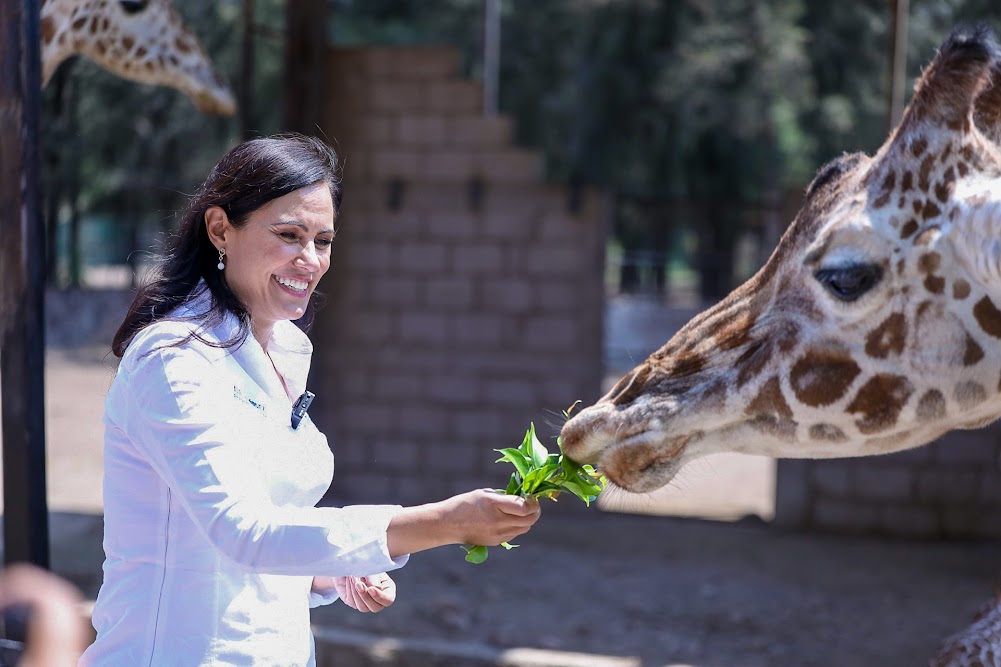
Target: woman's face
pixel 274 261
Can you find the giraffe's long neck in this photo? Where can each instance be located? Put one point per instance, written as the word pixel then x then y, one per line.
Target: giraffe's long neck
pixel 140 40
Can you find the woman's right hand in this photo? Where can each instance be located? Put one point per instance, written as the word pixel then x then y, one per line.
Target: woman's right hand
pixel 483 517
pixel 488 517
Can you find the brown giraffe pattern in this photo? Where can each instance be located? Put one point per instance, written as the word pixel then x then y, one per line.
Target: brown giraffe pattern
pixel 139 40
pixel 875 326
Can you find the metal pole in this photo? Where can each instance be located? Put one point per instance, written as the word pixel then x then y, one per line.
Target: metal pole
pixel 247 72
pixel 22 282
pixel 899 10
pixel 491 56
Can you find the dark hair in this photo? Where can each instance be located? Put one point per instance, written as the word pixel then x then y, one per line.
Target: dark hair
pixel 246 178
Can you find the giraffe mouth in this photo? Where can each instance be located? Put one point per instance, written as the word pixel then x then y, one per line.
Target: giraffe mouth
pixel 639 461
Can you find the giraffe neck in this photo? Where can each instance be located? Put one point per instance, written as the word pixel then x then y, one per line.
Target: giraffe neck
pixel 140 40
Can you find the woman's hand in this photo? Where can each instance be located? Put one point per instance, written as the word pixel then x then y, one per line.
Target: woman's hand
pixel 487 517
pixel 483 517
pixel 372 593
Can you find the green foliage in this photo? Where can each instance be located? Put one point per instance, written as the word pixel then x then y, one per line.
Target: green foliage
pixel 541 474
pixel 730 105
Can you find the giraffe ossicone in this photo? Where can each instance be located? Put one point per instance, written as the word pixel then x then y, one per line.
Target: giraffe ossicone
pixel 875 326
pixel 140 40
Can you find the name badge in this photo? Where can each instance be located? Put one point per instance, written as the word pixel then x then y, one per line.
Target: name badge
pixel 240 396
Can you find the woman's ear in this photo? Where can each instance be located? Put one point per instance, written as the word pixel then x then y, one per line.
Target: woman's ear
pixel 217 225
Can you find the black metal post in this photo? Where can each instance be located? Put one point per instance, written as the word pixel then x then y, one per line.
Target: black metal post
pixel 305 61
pixel 22 287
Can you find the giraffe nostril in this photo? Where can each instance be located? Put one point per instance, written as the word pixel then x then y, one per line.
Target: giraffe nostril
pixel 629 387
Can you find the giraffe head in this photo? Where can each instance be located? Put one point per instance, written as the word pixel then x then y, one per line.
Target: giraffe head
pixel 140 40
pixel 875 325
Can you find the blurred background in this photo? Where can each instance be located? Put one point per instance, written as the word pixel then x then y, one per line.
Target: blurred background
pixel 537 195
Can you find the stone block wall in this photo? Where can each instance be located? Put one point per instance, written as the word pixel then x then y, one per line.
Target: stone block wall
pixel 464 292
pixel 949 489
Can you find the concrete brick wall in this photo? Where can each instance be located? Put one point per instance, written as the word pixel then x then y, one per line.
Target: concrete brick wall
pixel 464 292
pixel 949 489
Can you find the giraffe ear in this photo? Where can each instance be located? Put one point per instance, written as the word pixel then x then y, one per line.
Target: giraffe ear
pixel 961 69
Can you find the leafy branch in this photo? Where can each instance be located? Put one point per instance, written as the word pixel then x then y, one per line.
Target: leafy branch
pixel 541 474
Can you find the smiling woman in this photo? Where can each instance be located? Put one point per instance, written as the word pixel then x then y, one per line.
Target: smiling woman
pixel 278 255
pixel 215 549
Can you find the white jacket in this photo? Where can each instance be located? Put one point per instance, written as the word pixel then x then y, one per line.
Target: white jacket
pixel 211 534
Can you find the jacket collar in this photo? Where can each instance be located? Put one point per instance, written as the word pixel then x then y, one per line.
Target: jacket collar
pixel 289 348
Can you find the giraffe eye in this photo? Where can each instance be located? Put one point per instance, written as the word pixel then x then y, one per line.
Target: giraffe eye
pixel 850 282
pixel 133 6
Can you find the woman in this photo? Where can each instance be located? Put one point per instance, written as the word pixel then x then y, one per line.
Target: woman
pixel 214 549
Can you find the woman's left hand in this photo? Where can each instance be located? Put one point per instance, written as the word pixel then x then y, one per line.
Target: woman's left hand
pixel 372 593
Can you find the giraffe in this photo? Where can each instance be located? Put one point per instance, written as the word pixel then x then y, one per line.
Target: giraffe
pixel 140 40
pixel 874 327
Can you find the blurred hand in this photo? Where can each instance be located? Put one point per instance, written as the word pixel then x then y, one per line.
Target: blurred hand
pixel 56 632
pixel 366 594
pixel 488 517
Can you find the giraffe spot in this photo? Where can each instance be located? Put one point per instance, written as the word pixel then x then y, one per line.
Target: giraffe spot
pixel 101 48
pixel 944 189
pixel 888 337
pixel 918 146
pixel 886 189
pixel 105 24
pixel 141 52
pixel 182 46
pixel 827 433
pixel 924 173
pixel 770 401
pixel 736 331
pixel 770 413
pixel 935 284
pixel 901 200
pixel 962 169
pixel 909 228
pixel 879 402
pixel 907 182
pixel 974 353
pixel 931 407
pixel 752 362
pixel 946 153
pixel 930 210
pixel 78 24
pixel 969 394
pixel 929 262
pixel 48 30
pixel 960 289
pixel 917 205
pixel 901 266
pixel 128 43
pixel 988 316
pixel 821 377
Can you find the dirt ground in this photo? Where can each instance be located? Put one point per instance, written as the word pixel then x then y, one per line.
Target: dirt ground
pixel 663 590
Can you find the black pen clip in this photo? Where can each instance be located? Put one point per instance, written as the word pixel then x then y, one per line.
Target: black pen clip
pixel 300 407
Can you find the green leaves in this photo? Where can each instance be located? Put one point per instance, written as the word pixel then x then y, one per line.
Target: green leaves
pixel 542 474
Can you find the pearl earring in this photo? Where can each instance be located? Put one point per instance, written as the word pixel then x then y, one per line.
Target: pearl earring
pixel 220 265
